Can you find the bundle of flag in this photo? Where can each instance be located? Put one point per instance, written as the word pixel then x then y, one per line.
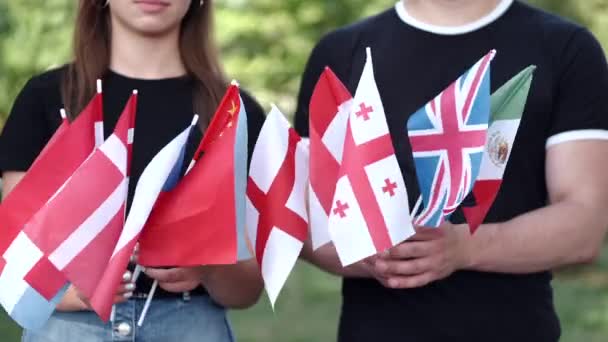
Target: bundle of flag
pixel 159 171
pixel 330 107
pixel 201 219
pixel 78 228
pixel 370 211
pixel 22 261
pixel 277 219
pixel 448 136
pixel 508 104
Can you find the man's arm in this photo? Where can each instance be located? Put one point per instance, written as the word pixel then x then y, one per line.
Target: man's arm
pixel 569 230
pixel 326 258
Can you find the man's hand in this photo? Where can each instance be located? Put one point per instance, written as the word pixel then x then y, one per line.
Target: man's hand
pixel 431 254
pixel 177 279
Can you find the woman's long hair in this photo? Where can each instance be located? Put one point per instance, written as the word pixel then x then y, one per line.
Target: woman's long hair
pixel 92 57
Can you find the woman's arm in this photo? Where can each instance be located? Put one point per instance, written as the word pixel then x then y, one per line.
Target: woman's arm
pixel 236 286
pixel 10 180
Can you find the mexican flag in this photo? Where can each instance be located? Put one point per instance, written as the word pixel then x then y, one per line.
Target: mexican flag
pixel 508 105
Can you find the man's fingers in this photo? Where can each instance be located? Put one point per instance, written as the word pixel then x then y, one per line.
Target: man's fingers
pixel 420 280
pixel 425 234
pixel 390 268
pixel 172 275
pixel 414 249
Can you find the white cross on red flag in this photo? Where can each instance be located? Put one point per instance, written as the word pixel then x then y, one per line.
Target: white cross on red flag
pixel 370 211
pixel 277 220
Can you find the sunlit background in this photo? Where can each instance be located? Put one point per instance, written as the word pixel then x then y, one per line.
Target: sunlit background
pixel 265 44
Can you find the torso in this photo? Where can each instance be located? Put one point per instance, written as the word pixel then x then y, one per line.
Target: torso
pixel 412 64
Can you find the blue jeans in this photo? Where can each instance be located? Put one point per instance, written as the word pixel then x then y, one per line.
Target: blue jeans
pixel 198 319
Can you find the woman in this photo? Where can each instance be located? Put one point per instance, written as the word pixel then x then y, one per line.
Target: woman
pixel 163 48
pixel 446 284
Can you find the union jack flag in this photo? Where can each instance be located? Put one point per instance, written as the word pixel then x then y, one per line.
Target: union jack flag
pixel 448 136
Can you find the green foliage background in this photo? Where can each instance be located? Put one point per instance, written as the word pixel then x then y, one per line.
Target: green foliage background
pixel 265 44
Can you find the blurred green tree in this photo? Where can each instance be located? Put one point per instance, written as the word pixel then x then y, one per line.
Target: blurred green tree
pixel 265 43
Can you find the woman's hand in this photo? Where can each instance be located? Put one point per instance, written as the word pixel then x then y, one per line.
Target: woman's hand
pixel 177 280
pixel 74 300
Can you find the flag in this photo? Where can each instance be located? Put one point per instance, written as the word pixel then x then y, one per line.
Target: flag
pixel 202 220
pixel 26 306
pixel 370 212
pixel 507 105
pixel 67 149
pixel 447 136
pixel 329 109
pixel 78 229
pixel 157 173
pixel 21 259
pixel 277 219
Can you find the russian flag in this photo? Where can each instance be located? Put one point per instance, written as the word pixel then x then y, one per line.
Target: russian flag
pixel 155 177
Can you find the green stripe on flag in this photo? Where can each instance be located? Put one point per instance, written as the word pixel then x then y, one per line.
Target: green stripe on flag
pixel 509 101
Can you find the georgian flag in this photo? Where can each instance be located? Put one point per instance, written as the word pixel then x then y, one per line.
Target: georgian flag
pixel 276 206
pixel 370 211
pixel 329 109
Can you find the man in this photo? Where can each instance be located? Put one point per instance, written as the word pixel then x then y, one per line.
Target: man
pixel 445 284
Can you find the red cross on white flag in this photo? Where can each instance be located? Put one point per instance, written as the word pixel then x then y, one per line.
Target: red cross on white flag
pixel 277 219
pixel 370 210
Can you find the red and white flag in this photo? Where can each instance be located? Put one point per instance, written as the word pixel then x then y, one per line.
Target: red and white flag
pixel 147 190
pixel 329 109
pixel 78 229
pixel 370 211
pixel 276 200
pixel 64 153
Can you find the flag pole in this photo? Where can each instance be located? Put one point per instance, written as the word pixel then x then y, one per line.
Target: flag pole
pixel 147 305
pixel 193 161
pixel 416 208
pixel 63 114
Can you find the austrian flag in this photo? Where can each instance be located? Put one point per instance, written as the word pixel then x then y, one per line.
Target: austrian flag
pixel 276 207
pixel 370 211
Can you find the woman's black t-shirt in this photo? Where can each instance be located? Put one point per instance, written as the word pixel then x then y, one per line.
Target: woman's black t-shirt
pixel 164 109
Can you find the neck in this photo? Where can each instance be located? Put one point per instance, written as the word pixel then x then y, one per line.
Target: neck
pixel 449 12
pixel 138 56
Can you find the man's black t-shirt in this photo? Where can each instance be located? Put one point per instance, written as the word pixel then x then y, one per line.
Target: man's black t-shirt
pixel 164 109
pixel 413 62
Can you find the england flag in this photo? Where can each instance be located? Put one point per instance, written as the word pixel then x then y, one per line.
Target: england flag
pixel 276 207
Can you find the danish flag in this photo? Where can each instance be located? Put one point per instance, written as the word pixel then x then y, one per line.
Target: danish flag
pixel 27 296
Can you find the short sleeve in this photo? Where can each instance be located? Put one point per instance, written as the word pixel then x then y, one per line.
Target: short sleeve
pixel 255 120
pixel 333 50
pixel 581 107
pixel 26 131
